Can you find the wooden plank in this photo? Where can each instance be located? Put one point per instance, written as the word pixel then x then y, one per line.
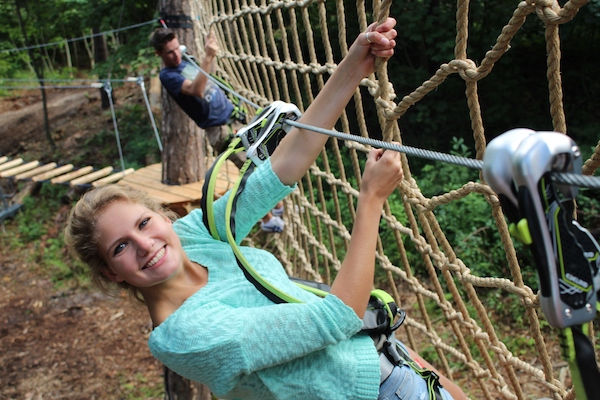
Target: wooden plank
pixel 151 176
pixel 180 190
pixel 71 175
pixel 36 171
pixel 161 196
pixel 112 178
pixel 153 172
pixel 17 170
pixel 148 179
pixel 11 164
pixel 171 190
pixel 53 173
pixel 91 177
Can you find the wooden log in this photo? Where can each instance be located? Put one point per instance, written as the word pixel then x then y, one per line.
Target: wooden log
pixel 3 159
pixel 17 170
pixel 11 164
pixel 53 173
pixel 91 177
pixel 112 178
pixel 71 175
pixel 36 171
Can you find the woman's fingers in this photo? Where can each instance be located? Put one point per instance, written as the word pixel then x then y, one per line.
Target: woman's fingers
pixel 380 38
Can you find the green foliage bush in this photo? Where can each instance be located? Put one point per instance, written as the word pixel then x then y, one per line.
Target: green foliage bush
pixel 35 228
pixel 467 223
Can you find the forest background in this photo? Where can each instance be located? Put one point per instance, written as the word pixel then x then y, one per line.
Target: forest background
pixel 440 122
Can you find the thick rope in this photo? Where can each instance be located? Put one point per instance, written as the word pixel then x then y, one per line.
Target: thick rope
pixel 268 53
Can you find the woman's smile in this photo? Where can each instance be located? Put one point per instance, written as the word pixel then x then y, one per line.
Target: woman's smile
pixel 156 259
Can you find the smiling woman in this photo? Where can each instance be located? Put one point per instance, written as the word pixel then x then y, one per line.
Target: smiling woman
pixel 199 299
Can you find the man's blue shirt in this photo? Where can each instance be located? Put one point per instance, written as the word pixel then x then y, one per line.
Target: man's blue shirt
pixel 212 109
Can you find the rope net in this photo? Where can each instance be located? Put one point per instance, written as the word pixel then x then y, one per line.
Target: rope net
pixel 268 53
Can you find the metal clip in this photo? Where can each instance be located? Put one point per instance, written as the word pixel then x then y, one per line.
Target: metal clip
pixel 519 169
pixel 262 135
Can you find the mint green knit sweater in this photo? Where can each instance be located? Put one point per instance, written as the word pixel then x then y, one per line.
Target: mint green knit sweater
pixel 233 339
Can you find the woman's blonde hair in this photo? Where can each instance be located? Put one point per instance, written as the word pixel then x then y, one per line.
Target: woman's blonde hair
pixel 80 232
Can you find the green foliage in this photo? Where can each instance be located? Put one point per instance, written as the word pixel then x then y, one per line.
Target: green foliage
pixel 137 388
pixel 36 229
pixel 32 221
pixel 134 56
pixel 467 222
pixel 588 210
pixel 52 23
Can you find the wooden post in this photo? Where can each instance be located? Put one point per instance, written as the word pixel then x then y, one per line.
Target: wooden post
pixel 183 157
pixel 182 160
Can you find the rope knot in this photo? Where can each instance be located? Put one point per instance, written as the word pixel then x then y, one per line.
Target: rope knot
pixel 467 69
pixel 548 11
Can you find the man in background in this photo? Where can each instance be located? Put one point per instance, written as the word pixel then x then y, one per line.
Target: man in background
pixel 202 100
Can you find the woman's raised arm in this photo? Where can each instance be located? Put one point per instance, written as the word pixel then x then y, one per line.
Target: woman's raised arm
pixel 299 149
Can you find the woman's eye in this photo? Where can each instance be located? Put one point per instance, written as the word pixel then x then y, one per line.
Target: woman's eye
pixel 119 248
pixel 144 222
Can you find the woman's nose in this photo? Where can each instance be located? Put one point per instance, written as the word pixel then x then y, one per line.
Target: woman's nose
pixel 144 245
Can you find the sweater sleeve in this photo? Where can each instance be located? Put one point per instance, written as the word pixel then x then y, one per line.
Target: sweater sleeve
pixel 216 344
pixel 263 190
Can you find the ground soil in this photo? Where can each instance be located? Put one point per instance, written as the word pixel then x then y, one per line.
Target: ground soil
pixel 68 343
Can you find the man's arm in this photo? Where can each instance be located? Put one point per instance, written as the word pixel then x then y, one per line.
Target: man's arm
pixel 198 85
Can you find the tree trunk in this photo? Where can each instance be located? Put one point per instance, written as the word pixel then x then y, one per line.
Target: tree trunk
pixel 38 67
pixel 183 161
pixel 178 388
pixel 100 55
pixel 183 157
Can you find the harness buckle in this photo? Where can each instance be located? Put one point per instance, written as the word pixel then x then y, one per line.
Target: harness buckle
pixel 381 313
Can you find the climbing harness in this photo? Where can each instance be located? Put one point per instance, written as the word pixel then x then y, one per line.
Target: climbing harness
pixel 517 165
pixel 240 112
pixel 382 316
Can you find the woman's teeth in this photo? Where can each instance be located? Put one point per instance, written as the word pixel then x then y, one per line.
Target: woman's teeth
pixel 155 259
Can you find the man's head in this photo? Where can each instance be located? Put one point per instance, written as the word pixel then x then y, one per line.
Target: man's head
pixel 166 45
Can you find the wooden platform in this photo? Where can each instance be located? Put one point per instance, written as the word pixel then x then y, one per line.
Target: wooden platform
pixel 180 198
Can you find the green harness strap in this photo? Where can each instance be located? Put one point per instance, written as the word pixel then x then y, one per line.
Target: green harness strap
pixel 381 310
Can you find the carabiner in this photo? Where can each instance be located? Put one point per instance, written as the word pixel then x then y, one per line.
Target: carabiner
pixel 262 135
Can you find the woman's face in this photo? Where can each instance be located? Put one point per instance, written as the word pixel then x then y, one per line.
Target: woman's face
pixel 139 246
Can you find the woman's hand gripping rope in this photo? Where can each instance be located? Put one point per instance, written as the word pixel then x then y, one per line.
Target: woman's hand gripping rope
pixel 380 38
pixel 298 150
pixel 354 281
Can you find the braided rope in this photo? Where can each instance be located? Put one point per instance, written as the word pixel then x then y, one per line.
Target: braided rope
pixel 268 53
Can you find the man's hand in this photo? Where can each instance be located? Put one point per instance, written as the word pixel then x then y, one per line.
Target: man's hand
pixel 211 47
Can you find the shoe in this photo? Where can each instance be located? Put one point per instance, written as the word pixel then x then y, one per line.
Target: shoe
pixel 278 212
pixel 274 225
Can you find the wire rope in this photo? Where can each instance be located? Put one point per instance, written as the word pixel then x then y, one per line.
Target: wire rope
pixel 560 177
pixel 43 45
pixel 108 89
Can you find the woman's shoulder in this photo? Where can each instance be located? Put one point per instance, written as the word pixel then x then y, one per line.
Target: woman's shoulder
pixel 191 223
